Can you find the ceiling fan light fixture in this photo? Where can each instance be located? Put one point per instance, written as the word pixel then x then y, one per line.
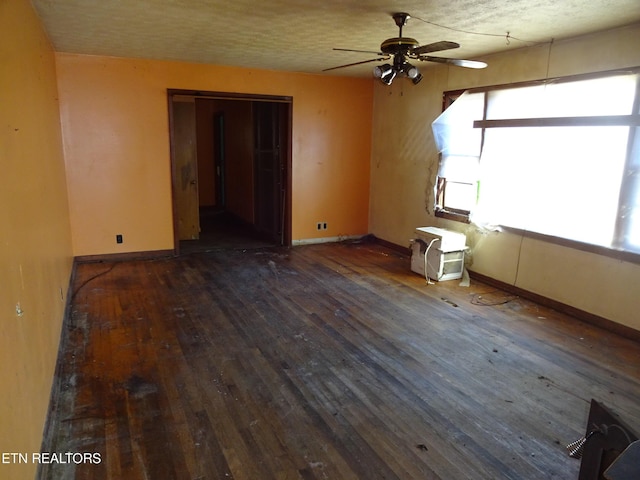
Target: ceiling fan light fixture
pixel 402 48
pixel 411 71
pixel 381 70
pixel 388 77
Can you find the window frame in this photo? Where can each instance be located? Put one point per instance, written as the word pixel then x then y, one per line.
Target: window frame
pixel 448 212
pixel 617 250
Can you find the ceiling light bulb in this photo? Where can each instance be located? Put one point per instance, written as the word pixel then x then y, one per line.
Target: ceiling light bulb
pixel 412 72
pixel 417 78
pixel 380 70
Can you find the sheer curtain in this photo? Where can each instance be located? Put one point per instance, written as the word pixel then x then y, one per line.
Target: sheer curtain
pixel 628 227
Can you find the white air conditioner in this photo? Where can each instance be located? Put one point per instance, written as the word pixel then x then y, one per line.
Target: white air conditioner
pixel 441 250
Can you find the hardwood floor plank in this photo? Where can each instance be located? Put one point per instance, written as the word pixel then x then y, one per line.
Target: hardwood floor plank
pixel 322 362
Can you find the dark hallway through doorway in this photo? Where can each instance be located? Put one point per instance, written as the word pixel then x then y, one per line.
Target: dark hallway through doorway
pixel 221 230
pixel 231 170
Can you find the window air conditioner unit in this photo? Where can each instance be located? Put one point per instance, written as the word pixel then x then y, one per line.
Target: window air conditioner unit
pixel 440 250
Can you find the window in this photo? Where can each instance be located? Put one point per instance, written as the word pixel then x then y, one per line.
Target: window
pixel 560 158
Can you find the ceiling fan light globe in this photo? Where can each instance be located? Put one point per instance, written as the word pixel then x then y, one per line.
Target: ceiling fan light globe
pixel 388 77
pixel 380 70
pixel 412 72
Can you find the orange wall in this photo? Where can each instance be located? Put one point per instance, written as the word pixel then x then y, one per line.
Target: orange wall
pixel 115 130
pixel 35 242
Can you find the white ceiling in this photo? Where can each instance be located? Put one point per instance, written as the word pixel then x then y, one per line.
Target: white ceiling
pixel 299 35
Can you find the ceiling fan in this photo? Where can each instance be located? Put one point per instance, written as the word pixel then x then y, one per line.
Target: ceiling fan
pixel 401 49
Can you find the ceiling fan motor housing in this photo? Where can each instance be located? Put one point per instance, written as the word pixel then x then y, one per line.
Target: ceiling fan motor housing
pixel 393 46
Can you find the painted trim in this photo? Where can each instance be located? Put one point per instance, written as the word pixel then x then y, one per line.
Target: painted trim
pixel 313 241
pixel 582 315
pixel 121 257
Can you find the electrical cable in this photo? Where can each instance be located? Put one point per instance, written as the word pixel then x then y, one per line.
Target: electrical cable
pixel 83 284
pixel 426 269
pixel 515 279
pixel 507 36
pixel 475 300
pixel 615 425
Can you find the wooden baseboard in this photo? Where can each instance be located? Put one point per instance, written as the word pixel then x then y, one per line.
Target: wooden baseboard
pixel 120 257
pixel 581 315
pixel 54 393
pixel 393 246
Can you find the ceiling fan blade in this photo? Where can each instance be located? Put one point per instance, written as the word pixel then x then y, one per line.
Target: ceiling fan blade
pixel 356 63
pixel 361 51
pixel 435 47
pixel 454 61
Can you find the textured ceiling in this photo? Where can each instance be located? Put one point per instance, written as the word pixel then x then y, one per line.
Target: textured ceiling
pixel 299 35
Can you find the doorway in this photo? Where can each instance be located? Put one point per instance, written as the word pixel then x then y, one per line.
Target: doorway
pixel 231 170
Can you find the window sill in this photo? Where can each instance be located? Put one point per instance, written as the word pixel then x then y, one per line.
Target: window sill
pixel 451 215
pixel 622 255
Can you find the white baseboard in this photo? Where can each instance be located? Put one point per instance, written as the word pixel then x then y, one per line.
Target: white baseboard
pixel 311 241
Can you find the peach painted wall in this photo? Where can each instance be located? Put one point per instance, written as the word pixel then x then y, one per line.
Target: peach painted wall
pixel 115 132
pixel 405 161
pixel 35 242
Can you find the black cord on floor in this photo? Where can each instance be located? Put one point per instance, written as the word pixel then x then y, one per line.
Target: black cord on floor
pixel 477 299
pixel 83 284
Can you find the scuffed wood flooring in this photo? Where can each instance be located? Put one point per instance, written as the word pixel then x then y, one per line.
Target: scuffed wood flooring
pixel 322 362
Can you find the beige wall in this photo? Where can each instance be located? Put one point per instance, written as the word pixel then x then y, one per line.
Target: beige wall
pixel 115 132
pixel 404 164
pixel 35 246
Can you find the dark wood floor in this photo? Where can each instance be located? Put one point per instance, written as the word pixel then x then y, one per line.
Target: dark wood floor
pixel 222 230
pixel 322 362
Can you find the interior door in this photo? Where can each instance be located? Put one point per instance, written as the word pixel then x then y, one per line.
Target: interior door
pixel 186 181
pixel 268 171
pixel 219 159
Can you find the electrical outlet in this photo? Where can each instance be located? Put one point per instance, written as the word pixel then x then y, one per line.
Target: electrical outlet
pixel 324 225
pixel 319 226
pixel 118 238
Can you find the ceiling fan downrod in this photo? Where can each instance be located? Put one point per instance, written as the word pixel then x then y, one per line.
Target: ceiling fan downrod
pixel 401 20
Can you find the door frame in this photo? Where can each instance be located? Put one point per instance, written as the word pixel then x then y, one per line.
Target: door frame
pixel 286 152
